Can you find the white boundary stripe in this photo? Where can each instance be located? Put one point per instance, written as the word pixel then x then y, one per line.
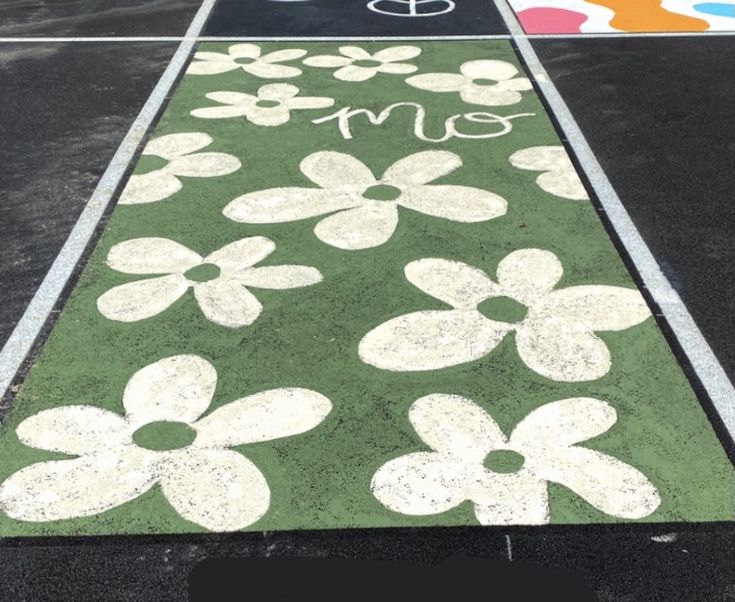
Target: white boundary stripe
pixel 99 39
pixel 701 356
pixel 28 328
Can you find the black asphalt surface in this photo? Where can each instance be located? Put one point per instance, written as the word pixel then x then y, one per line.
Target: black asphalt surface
pixel 350 18
pixel 65 109
pixel 70 18
pixel 659 116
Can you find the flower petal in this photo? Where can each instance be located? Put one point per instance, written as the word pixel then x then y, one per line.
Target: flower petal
pixel 457 203
pixel 490 96
pixel 271 70
pixel 598 307
pixel 277 205
pixel 359 228
pixel 205 165
pixel 227 97
pixel 225 112
pixel 175 389
pixel 355 53
pixel 242 254
pixel 560 177
pixel 421 168
pixel 455 283
pixel 438 82
pixel 330 169
pixel 262 417
pixel 487 69
pixel 74 430
pixel 565 184
pixel 611 486
pixel 227 303
pixel 396 53
pixel 85 486
pixel 277 92
pixel 529 274
pixel 563 423
pixel 176 145
pixel 244 51
pixel 217 489
pixel 397 68
pixel 141 299
pixel 151 255
pixel 149 188
pixel 288 54
pixel 513 499
pixel 281 276
pixel 562 350
pixel 310 102
pixel 420 484
pixel 354 73
pixel 455 426
pixel 270 116
pixel 327 60
pixel 211 66
pixel 429 340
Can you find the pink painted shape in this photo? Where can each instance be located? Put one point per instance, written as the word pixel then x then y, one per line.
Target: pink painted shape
pixel 551 20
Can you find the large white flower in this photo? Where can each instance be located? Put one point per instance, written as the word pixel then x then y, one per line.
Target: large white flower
pixel 357 65
pixel 559 176
pixel 219 280
pixel 270 107
pixel 483 82
pixel 178 152
pixel 161 439
pixel 249 58
pixel 554 329
pixel 367 206
pixel 506 478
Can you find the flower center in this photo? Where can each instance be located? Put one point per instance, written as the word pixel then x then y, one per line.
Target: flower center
pixel 149 163
pixel 503 309
pixel 267 104
pixel 244 60
pixel 482 81
pixel 382 192
pixel 164 435
pixel 367 63
pixel 504 461
pixel 203 273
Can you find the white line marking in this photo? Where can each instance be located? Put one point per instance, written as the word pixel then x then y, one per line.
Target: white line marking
pixel 503 36
pixel 21 340
pixel 508 548
pixel 695 346
pixel 99 39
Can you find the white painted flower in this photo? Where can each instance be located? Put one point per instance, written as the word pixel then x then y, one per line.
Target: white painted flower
pixel 250 59
pixel 554 329
pixel 179 153
pixel 220 281
pixel 506 478
pixel 483 82
pixel 162 439
pixel 559 176
pixel 357 65
pixel 270 107
pixel 366 207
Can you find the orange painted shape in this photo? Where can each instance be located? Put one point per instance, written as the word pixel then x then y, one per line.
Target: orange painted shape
pixel 647 15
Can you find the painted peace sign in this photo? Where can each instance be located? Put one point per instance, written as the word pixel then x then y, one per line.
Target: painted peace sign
pixel 412 8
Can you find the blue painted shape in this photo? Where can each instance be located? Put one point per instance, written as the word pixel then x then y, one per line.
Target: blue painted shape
pixel 718 9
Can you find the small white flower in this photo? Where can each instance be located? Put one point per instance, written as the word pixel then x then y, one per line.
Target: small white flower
pixel 248 58
pixel 559 177
pixel 506 478
pixel 358 65
pixel 219 280
pixel 182 160
pixel 272 106
pixel 483 82
pixel 554 329
pixel 161 439
pixel 367 207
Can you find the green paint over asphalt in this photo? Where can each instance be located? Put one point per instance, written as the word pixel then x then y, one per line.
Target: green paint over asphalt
pixel 308 337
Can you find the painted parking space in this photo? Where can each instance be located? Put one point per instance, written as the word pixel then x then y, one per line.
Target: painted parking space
pixel 354 18
pixel 621 16
pixel 355 285
pixel 54 153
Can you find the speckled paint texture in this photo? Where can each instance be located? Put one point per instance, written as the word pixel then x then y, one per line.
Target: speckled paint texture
pixel 308 337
